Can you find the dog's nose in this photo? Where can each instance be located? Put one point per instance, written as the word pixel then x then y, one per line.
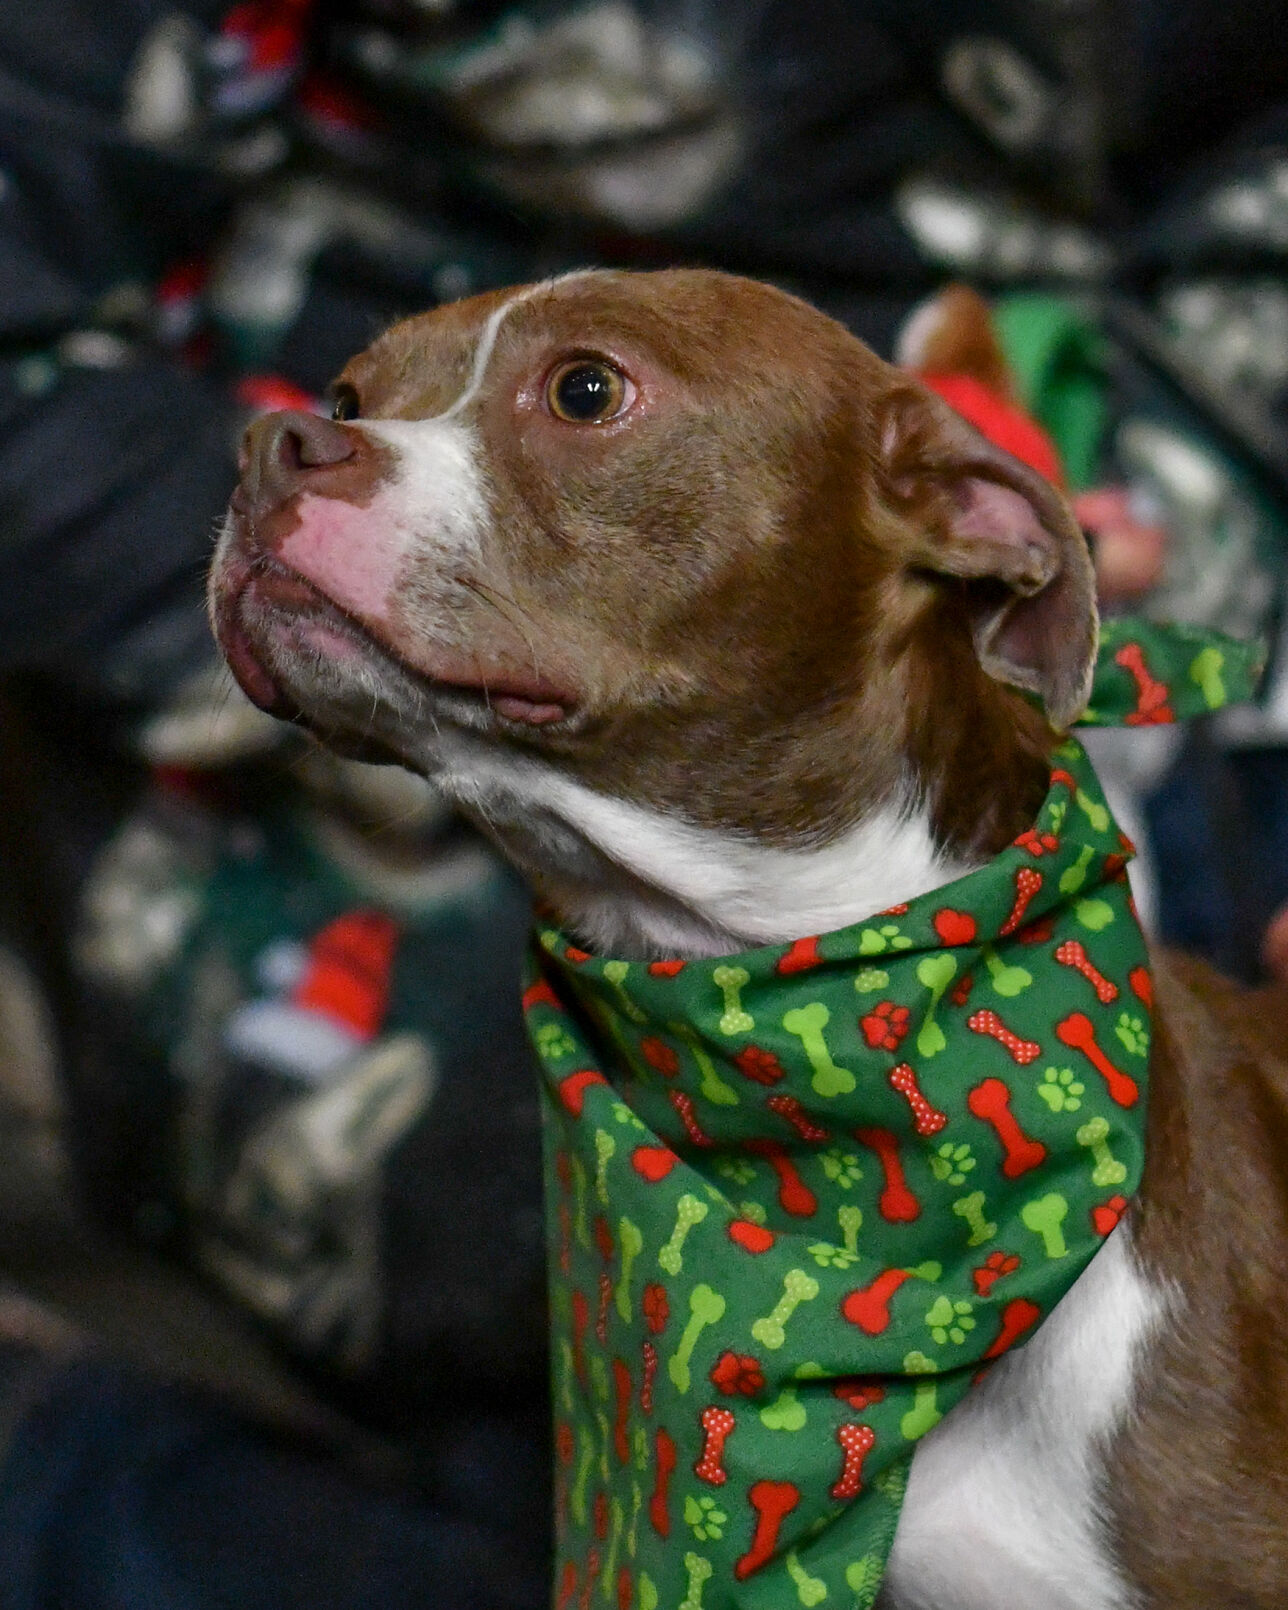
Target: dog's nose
pixel 280 452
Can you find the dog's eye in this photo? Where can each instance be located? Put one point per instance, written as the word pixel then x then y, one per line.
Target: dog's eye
pixel 344 404
pixel 586 391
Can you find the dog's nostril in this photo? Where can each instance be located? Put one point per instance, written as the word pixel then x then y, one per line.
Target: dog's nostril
pixel 279 450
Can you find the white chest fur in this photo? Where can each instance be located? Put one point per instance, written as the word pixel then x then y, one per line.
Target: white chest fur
pixel 1001 1511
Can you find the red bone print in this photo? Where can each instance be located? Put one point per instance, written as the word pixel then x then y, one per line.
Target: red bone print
pixel 794 1196
pixel 991 1101
pixel 897 1203
pixel 625 1588
pixel 856 1443
pixel 664 1461
pixel 1142 985
pixel 540 994
pixel 1060 775
pixel 588 1581
pixel 580 1319
pixel 1072 954
pixel 1152 708
pixel 565 1238
pixel 1018 1315
pixel 869 1307
pixel 717 1426
pixel 789 1107
pixel 653 1163
pixel 1105 1215
pixel 954 927
pixel 622 1394
pixel 683 1104
pixel 601 1515
pixel 801 957
pixel 773 1502
pixel 988 1022
pixel 567 1585
pixel 572 1090
pixel 1078 1032
pixel 926 1120
pixel 666 969
pixel 605 1297
pixel 1027 884
pixel 646 1384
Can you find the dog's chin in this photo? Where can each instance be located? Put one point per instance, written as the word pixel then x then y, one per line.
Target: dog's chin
pixel 300 657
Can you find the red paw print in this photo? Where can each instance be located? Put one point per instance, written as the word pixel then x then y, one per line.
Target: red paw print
pixel 1037 843
pixel 885 1025
pixel 760 1065
pixel 658 1054
pixel 858 1393
pixel 992 1270
pixel 735 1373
pixel 1105 1217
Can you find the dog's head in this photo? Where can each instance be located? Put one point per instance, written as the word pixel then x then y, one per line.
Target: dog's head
pixel 677 537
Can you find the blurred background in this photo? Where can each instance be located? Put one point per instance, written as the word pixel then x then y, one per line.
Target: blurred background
pixel 271 1270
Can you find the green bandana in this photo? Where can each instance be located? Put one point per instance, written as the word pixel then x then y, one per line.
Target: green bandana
pixel 800 1196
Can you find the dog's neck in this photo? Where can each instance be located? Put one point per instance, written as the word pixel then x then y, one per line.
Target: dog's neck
pixel 630 880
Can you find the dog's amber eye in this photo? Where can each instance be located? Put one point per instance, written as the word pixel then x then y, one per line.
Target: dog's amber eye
pixel 586 391
pixel 344 404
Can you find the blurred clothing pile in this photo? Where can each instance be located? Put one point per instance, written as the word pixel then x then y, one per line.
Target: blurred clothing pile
pixel 258 1006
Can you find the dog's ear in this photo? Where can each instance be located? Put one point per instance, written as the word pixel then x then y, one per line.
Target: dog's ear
pixel 974 512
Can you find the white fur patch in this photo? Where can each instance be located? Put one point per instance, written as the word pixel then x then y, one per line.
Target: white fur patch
pixel 685 890
pixel 1001 1508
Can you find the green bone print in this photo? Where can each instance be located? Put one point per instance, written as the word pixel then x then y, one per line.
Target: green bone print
pixel 615 973
pixel 577 1498
pixel 706 1307
pixel 699 1573
pixel 637 1503
pixel 631 1241
pixel 971 1208
pixel 1073 877
pixel 1205 673
pixel 581 1226
pixel 1008 980
pixel 608 1581
pixel 605 1150
pixel 1094 1136
pixel 689 1210
pixel 809 1589
pixel 1045 1216
pixel 1096 814
pixel 729 980
pixel 936 973
pixel 850 1219
pixel 798 1288
pixel 923 1416
pixel 786 1412
pixel 713 1087
pixel 807 1024
pixel 605 1437
pixel 647 1592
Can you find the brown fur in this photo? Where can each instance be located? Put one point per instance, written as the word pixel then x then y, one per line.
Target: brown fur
pixel 758 591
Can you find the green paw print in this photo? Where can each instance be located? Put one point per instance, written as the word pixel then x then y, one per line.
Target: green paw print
pixel 952 1164
pixel 842 1168
pixel 706 1518
pixel 737 1170
pixel 872 941
pixel 1060 1090
pixel 1057 816
pixel 827 1256
pixel 871 979
pixel 624 1115
pixel 949 1321
pixel 553 1043
pixel 1133 1034
pixel 863 1578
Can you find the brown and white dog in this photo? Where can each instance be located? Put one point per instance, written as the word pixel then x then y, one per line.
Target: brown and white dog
pixel 715 622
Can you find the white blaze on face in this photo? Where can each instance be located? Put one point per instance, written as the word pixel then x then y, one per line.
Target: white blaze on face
pixel 431 511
